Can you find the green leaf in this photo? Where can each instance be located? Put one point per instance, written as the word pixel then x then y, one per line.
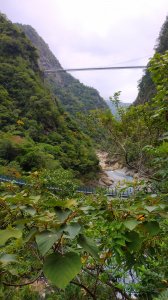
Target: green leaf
pixel 72 229
pixel 151 227
pixel 88 245
pixel 29 210
pixel 150 208
pixel 31 235
pixel 134 243
pixel 162 206
pixel 130 224
pixel 46 239
pixel 61 214
pixel 6 234
pixel 66 203
pixel 35 198
pixel 120 242
pixel 61 269
pixel 7 258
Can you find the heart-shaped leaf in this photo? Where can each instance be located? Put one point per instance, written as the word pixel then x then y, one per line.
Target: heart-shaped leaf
pixel 46 239
pixel 134 241
pixel 151 227
pixel 61 269
pixel 88 245
pixel 6 234
pixel 62 214
pixel 66 203
pixel 150 208
pixel 130 224
pixel 72 229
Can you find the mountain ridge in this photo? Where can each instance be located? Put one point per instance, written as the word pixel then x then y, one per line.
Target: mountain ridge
pixel 147 89
pixel 76 97
pixel 35 130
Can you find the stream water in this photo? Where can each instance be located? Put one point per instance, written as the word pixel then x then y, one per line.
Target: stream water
pixel 118 176
pixel 114 175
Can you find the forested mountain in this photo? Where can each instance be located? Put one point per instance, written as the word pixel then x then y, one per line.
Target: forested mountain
pixel 146 86
pixel 74 96
pixel 35 131
pixel 57 243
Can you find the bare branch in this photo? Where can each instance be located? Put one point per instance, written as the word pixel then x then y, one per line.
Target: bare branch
pixel 85 288
pixel 22 284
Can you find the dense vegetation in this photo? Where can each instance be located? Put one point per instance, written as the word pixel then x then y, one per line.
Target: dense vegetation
pixel 147 88
pixel 74 96
pixel 35 130
pixel 117 247
pixel 80 101
pixel 141 132
pixel 59 244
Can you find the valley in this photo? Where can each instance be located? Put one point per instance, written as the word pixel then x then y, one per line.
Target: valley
pixel 58 135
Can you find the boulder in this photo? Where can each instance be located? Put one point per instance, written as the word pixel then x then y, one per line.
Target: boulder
pixel 105 180
pixel 116 166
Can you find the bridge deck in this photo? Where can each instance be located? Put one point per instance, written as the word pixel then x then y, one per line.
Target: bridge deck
pixel 110 192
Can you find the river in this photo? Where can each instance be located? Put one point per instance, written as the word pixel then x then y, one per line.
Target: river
pixel 118 176
pixel 113 174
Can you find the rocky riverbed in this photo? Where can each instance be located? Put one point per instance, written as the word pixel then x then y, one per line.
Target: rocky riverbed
pixel 113 172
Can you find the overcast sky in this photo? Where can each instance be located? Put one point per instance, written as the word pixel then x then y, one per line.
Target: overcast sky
pixel 93 33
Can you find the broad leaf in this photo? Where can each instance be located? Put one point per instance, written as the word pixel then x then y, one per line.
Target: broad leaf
pixel 61 269
pixel 35 199
pixel 131 224
pixel 151 227
pixel 6 234
pixel 7 258
pixel 62 214
pixel 150 208
pixel 66 203
pixel 29 210
pixel 135 241
pixel 88 245
pixel 46 239
pixel 73 230
pixel 31 235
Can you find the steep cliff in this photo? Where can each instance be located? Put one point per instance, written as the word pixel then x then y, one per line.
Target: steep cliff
pixel 74 96
pixel 146 86
pixel 35 130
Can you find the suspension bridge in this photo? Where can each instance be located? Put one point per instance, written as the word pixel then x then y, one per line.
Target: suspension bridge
pixel 110 192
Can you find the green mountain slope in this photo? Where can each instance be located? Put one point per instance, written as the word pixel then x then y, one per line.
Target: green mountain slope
pixel 74 96
pixel 146 86
pixel 34 128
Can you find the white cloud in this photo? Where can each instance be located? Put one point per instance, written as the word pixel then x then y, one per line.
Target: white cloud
pixel 84 33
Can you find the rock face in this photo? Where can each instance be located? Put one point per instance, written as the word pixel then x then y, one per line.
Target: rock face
pixel 108 164
pixel 102 156
pixel 105 180
pixel 147 89
pixel 113 171
pixel 74 96
pixel 116 166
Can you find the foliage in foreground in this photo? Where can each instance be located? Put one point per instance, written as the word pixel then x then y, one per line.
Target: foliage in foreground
pixel 83 246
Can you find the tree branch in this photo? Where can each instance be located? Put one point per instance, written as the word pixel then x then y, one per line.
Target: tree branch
pixel 112 285
pixel 22 284
pixel 85 288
